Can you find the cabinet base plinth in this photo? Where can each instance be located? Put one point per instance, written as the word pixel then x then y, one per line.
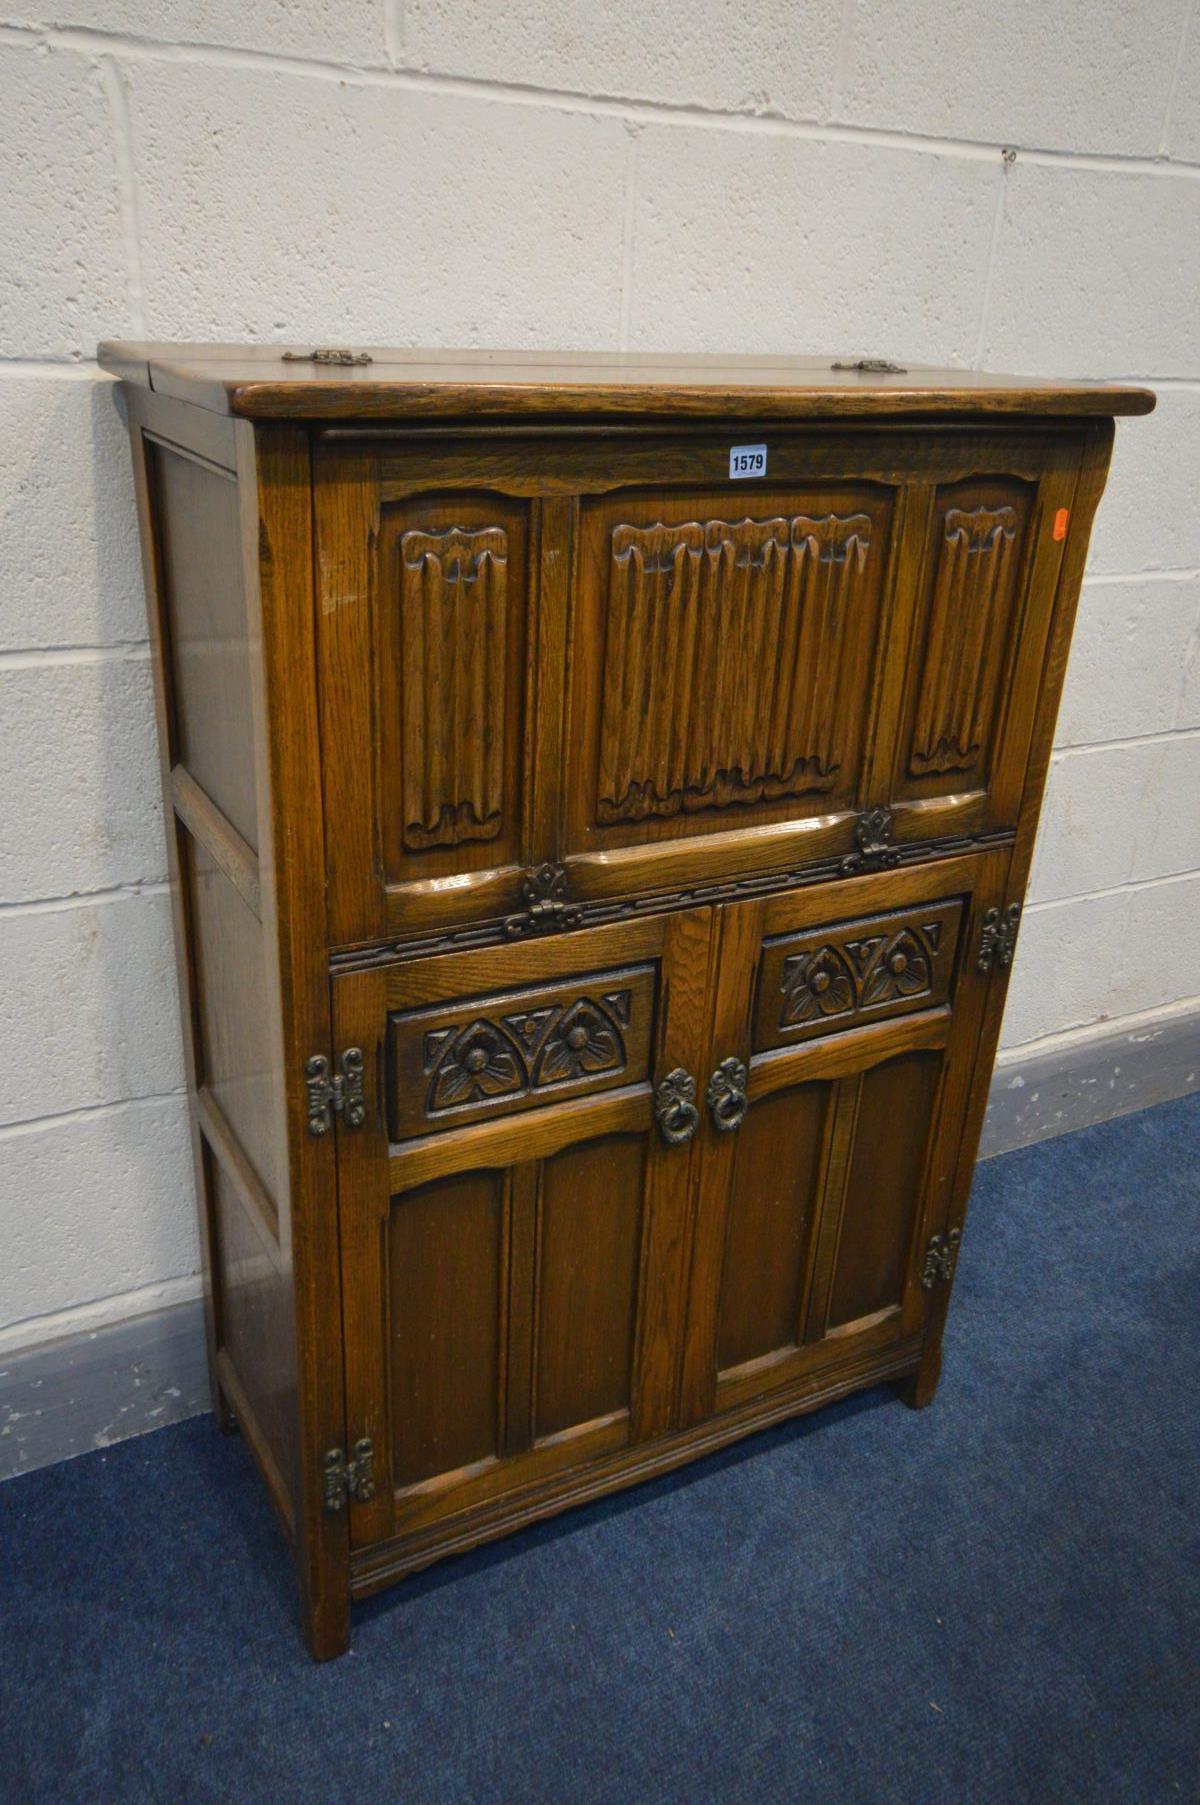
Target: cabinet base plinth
pixel 375 1568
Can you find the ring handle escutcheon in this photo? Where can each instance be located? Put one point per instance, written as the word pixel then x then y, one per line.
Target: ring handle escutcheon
pixel 675 1107
pixel 726 1095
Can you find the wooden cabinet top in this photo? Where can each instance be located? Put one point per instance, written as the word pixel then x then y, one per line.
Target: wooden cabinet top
pixel 267 382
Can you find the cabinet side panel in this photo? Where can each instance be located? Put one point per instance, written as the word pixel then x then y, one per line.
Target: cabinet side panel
pixel 1095 453
pixel 208 673
pixel 208 650
pixel 256 1335
pixel 141 408
pixel 234 1057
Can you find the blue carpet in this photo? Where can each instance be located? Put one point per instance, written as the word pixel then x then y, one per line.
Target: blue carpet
pixel 997 1599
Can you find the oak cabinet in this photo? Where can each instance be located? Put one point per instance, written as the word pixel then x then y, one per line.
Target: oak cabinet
pixel 596 874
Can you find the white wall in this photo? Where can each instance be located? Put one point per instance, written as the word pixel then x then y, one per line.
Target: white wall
pixel 730 174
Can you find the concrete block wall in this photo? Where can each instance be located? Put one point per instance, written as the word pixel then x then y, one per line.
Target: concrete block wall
pixel 758 175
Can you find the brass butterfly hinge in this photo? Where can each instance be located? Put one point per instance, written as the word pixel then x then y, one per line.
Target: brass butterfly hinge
pixel 339 1093
pixel 325 354
pixel 998 938
pixel 873 837
pixel 940 1256
pixel 544 893
pixel 353 1478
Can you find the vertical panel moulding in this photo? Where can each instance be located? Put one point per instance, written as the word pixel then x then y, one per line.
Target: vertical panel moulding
pixel 550 603
pixel 677 615
pixel 742 581
pixel 1025 679
pixel 657 652
pixel 489 652
pixel 1034 552
pixel 532 754
pixel 385 1380
pixel 826 583
pixel 736 940
pixel 831 1206
pixel 504 1316
pixel 418 696
pixel 979 1002
pixel 362 1225
pixel 522 1221
pixel 1087 486
pixel 214 1284
pixel 276 492
pixel 778 652
pixel 345 528
pixel 904 583
pixel 669 1226
pixel 972 718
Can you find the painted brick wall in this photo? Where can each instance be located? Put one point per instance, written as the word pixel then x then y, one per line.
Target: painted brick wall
pixel 734 174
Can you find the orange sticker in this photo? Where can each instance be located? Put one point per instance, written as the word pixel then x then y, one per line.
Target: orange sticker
pixel 1060 524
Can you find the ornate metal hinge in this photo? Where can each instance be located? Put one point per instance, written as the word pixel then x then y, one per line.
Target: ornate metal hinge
pixel 353 1478
pixel 325 354
pixel 940 1256
pixel 998 938
pixel 340 1094
pixel 546 910
pixel 874 366
pixel 873 833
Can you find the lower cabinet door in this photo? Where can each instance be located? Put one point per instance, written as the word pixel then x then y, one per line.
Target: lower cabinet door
pixel 515 1210
pixel 844 1028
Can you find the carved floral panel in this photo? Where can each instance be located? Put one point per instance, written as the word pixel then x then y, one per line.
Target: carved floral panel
pixel 517 1049
pixel 831 978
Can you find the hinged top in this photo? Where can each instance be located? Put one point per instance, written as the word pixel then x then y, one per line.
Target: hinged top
pixel 271 382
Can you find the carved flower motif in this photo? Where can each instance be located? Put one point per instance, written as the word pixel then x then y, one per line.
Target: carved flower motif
pixel 479 1063
pixel 902 970
pixel 584 1041
pixel 816 985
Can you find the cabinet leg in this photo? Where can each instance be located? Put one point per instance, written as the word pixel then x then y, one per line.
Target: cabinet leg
pixel 325 1622
pixel 917 1389
pixel 223 1412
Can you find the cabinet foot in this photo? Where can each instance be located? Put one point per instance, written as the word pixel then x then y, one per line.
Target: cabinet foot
pixel 326 1628
pixel 223 1413
pixel 917 1389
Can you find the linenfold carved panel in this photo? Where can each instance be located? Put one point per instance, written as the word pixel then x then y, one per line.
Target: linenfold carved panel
pixel 969 613
pixel 453 602
pixel 830 978
pixel 462 1061
pixel 723 661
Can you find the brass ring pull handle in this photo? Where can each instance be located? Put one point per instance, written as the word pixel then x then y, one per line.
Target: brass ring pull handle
pixel 675 1107
pixel 726 1094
